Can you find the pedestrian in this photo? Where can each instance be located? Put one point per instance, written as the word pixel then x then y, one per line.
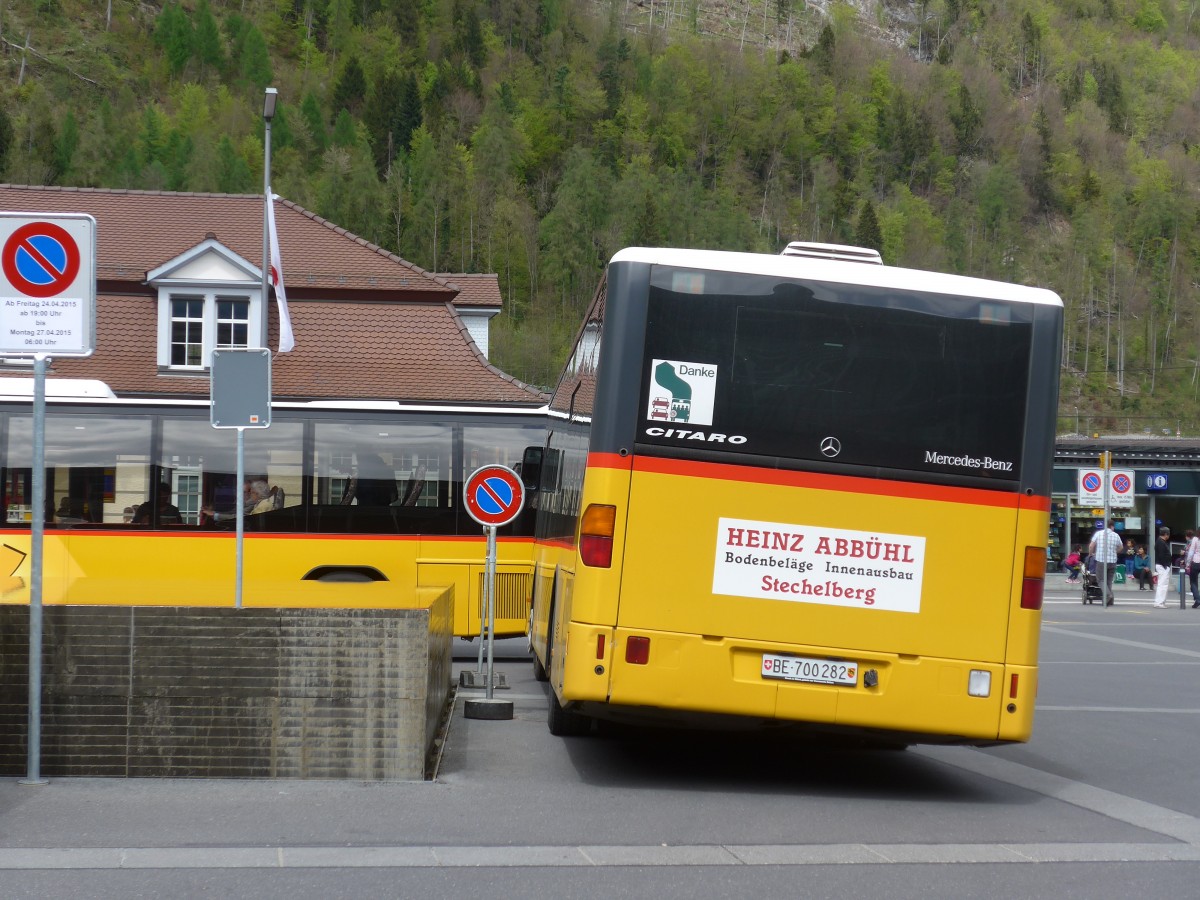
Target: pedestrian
pixel 1141 570
pixel 1072 564
pixel 1162 567
pixel 1105 545
pixel 1191 564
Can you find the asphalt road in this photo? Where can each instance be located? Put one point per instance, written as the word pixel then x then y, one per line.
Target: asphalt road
pixel 1104 802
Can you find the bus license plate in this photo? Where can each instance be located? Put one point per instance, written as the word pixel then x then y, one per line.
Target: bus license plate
pixel 813 671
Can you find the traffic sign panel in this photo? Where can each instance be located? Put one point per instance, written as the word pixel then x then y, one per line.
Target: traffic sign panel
pixel 47 284
pixel 494 495
pixel 40 259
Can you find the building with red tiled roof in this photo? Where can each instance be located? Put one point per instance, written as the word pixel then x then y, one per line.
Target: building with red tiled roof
pixel 178 274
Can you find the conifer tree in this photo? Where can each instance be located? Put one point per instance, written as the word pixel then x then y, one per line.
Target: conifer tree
pixel 868 233
pixel 345 134
pixel 310 112
pixel 351 88
pixel 254 65
pixel 173 32
pixel 209 49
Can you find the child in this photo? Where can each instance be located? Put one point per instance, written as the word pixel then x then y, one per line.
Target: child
pixel 1071 565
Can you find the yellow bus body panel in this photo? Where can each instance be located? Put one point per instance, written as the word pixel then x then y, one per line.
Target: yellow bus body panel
pixel 706 648
pixel 141 568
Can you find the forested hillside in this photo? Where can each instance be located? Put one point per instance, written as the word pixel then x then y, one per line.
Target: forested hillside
pixel 1051 142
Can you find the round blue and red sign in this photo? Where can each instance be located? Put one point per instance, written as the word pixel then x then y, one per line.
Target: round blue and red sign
pixel 1092 482
pixel 494 495
pixel 40 259
pixel 1121 484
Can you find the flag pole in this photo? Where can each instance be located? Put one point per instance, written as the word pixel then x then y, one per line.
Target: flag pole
pixel 270 98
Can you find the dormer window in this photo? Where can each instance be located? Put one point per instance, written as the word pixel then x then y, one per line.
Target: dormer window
pixel 201 324
pixel 208 298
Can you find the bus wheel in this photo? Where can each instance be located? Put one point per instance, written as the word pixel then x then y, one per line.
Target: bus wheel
pixel 564 722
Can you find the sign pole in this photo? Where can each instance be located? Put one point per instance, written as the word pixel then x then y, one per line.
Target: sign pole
pixel 48 282
pixel 37 530
pixel 1106 459
pixel 493 495
pixel 490 578
pixel 240 508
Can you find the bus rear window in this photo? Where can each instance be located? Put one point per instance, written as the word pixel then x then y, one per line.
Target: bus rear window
pixel 839 374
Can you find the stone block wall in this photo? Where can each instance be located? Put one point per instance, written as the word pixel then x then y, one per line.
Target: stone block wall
pixel 261 693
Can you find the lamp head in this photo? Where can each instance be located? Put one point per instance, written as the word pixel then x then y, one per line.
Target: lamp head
pixel 269 99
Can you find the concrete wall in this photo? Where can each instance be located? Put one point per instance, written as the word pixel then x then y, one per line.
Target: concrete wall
pixel 263 693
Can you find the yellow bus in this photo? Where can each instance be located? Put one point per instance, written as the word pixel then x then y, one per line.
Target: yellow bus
pixel 803 488
pixel 345 504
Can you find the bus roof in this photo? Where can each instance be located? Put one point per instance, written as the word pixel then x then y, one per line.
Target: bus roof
pixel 837 272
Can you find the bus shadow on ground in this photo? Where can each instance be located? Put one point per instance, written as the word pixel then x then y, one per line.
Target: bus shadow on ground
pixel 771 761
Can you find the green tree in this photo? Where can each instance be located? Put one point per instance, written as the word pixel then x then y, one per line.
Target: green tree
pixel 350 90
pixel 173 32
pixel 867 233
pixel 254 63
pixel 314 119
pixel 345 132
pixel 66 144
pixel 383 117
pixel 6 137
pixel 1041 187
pixel 210 50
pixel 233 175
pixel 967 119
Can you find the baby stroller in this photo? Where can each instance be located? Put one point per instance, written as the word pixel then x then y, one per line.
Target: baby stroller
pixel 1092 592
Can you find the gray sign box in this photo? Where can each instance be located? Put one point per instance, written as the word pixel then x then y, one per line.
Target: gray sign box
pixel 241 388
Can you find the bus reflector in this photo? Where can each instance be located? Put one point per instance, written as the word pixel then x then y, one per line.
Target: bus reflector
pixel 637 650
pixel 979 683
pixel 1035 578
pixel 600 647
pixel 595 535
pixel 1012 686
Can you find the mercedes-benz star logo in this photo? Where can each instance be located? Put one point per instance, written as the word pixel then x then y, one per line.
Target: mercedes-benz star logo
pixel 831 446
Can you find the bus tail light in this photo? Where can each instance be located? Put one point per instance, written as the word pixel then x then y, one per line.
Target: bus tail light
pixel 596 535
pixel 1035 578
pixel 637 650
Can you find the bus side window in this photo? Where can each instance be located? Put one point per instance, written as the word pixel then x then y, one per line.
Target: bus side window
pixel 531 468
pixel 551 471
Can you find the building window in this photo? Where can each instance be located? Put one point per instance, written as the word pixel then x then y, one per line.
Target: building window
pixel 233 322
pixel 193 325
pixel 187 331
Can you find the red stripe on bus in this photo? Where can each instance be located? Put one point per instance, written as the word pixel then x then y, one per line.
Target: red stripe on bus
pixel 610 460
pixel 75 534
pixel 818 481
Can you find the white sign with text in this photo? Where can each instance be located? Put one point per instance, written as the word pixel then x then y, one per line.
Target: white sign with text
pixel 829 566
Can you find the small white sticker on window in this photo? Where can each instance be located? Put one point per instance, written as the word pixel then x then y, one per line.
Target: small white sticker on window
pixel 681 392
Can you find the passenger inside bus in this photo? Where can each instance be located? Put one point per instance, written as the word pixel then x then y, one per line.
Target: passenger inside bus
pixel 158 510
pixel 374 483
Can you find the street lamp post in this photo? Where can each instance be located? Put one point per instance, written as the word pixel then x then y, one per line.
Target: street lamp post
pixel 269 100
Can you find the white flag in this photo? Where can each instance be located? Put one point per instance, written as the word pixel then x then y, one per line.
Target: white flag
pixel 286 340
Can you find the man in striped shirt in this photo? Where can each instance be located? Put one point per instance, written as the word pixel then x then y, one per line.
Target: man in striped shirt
pixel 1105 544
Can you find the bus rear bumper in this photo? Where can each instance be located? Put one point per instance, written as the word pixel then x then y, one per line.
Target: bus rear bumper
pixel 927 696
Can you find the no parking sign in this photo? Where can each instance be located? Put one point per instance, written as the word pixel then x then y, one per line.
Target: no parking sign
pixel 47 284
pixel 1120 488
